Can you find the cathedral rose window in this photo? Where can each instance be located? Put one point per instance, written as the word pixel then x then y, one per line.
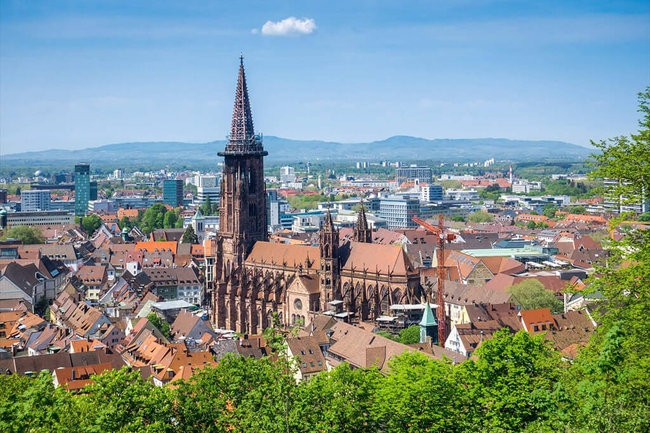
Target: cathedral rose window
pixel 297 304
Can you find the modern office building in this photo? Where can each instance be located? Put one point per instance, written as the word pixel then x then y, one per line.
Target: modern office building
pixel 34 200
pixel 82 189
pixel 431 193
pixel 399 211
pixel 287 174
pixel 173 192
pixel 46 218
pixel 413 172
pixel 93 190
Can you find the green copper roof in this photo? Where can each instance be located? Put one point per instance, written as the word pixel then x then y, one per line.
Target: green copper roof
pixel 198 215
pixel 428 319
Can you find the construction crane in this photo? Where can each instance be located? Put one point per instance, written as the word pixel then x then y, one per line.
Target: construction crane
pixel 441 238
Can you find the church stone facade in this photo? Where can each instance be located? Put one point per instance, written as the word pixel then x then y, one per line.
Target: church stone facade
pixel 254 278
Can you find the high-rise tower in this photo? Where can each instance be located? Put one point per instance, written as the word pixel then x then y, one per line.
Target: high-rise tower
pixel 242 208
pixel 81 189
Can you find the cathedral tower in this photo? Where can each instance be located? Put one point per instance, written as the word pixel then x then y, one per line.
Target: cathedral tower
pixel 329 262
pixel 242 212
pixel 362 232
pixel 242 208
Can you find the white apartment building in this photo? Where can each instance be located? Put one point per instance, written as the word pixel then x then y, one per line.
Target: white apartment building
pixel 34 200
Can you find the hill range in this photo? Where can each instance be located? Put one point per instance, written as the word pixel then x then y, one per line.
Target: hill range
pixel 398 148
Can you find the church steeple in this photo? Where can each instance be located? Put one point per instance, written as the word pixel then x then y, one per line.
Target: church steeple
pixel 242 131
pixel 329 253
pixel 362 232
pixel 242 207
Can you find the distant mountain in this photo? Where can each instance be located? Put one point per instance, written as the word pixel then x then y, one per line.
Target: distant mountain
pixel 398 148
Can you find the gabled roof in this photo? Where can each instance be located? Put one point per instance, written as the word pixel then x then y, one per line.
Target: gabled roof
pixel 157 246
pixel 363 348
pixel 536 318
pixel 307 350
pixel 24 277
pixel 292 255
pixel 385 259
pixel 73 378
pixel 306 283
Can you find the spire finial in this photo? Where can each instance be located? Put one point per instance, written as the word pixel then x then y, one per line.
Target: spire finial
pixel 241 59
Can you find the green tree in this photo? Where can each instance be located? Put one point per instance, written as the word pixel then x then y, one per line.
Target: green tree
pixel 169 221
pixel 612 374
pixel 91 223
pixel 549 210
pixel 161 324
pixel 120 401
pixel 626 160
pixel 126 222
pixel 511 382
pixel 27 234
pixel 532 295
pixel 410 335
pixel 28 405
pixel 388 335
pixel 189 237
pixel 644 217
pixel 458 218
pixel 239 394
pixel 480 217
pixel 339 401
pixel 531 225
pixel 578 209
pixel 206 207
pixel 420 394
pixel 153 218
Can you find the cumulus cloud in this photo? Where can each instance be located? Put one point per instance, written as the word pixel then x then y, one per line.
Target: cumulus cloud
pixel 288 26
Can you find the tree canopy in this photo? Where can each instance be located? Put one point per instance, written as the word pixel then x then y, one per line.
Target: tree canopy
pixel 626 160
pixel 189 237
pixel 27 234
pixel 532 295
pixel 480 217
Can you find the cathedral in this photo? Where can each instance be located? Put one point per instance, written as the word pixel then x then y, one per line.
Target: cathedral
pixel 253 278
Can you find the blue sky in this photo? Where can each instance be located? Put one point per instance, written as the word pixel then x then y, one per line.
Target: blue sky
pixel 77 74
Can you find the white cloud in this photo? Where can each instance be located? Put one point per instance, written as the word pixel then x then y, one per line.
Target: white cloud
pixel 289 26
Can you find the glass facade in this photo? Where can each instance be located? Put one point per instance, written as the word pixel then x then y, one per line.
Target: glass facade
pixel 82 189
pixel 173 192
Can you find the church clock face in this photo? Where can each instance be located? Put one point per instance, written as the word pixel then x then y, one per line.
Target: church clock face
pixel 297 304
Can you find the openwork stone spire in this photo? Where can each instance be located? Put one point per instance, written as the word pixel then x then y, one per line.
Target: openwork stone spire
pixel 242 133
pixel 362 232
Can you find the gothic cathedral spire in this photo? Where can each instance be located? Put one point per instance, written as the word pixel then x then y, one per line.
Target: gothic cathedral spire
pixel 362 232
pixel 242 131
pixel 242 208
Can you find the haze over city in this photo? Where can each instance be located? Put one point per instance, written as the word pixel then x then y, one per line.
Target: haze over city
pixel 75 75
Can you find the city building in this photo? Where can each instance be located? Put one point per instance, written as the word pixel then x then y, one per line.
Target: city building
pixel 103 205
pixel 622 204
pixel 424 174
pixel 44 218
pixel 203 192
pixel 287 174
pixel 173 192
pixel 398 211
pixel 461 194
pixel 81 189
pixel 34 200
pixel 431 193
